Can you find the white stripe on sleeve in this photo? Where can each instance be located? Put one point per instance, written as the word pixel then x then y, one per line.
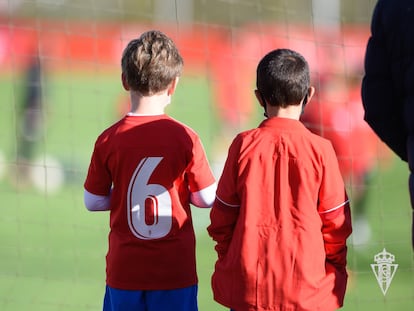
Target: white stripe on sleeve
pixel 225 203
pixel 335 208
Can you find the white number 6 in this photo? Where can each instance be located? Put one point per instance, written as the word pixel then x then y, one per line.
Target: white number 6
pixel 149 205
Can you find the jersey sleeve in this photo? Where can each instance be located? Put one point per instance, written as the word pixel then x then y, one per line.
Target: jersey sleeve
pixel 98 180
pixel 199 172
pixel 95 202
pixel 204 197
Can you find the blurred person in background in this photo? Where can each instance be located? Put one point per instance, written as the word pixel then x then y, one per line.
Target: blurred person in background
pixel 388 83
pixel 336 114
pixel 30 121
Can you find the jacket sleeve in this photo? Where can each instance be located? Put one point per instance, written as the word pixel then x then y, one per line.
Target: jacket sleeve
pixel 335 230
pixel 223 220
pixel 226 207
pixel 382 103
pixel 334 211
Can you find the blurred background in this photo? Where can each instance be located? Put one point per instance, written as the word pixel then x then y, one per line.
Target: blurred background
pixel 60 87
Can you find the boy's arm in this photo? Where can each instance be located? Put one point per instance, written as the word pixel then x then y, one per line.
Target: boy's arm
pixel 223 219
pixel 98 183
pixel 226 207
pixel 202 184
pixel 204 197
pixel 95 202
pixel 334 210
pixel 335 230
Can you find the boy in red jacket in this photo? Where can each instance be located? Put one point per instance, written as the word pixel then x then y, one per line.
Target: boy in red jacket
pixel 281 215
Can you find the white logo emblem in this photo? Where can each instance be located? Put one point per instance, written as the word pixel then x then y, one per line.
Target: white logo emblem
pixel 384 269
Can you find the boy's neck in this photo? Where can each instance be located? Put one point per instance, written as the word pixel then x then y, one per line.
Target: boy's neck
pixel 290 112
pixel 149 105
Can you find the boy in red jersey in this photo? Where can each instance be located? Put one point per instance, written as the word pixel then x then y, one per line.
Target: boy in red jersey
pixel 281 215
pixel 146 169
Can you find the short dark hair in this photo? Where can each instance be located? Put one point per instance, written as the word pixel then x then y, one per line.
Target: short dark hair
pixel 283 77
pixel 151 62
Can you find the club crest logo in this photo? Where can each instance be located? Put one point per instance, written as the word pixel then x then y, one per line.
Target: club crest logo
pixel 384 269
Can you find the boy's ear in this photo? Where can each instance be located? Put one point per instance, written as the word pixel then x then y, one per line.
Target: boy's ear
pixel 124 82
pixel 259 98
pixel 173 86
pixel 311 92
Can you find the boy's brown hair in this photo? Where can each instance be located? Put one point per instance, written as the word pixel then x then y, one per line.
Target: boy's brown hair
pixel 151 63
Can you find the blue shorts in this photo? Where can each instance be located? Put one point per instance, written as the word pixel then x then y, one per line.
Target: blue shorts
pixel 183 299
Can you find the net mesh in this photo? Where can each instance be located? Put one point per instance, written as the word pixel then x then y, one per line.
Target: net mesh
pixel 60 87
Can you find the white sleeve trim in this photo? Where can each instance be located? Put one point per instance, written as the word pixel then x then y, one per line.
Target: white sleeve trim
pixel 335 208
pixel 204 197
pixel 225 203
pixel 95 202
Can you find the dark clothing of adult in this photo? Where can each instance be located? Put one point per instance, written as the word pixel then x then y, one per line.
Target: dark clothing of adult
pixel 388 84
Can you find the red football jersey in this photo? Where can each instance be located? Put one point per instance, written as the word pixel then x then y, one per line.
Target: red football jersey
pixel 152 164
pixel 280 220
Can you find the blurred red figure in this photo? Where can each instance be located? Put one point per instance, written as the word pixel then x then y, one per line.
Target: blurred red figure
pixel 233 64
pixel 231 70
pixel 338 116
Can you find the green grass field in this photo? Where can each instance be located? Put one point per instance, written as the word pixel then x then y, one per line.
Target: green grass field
pixel 52 250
